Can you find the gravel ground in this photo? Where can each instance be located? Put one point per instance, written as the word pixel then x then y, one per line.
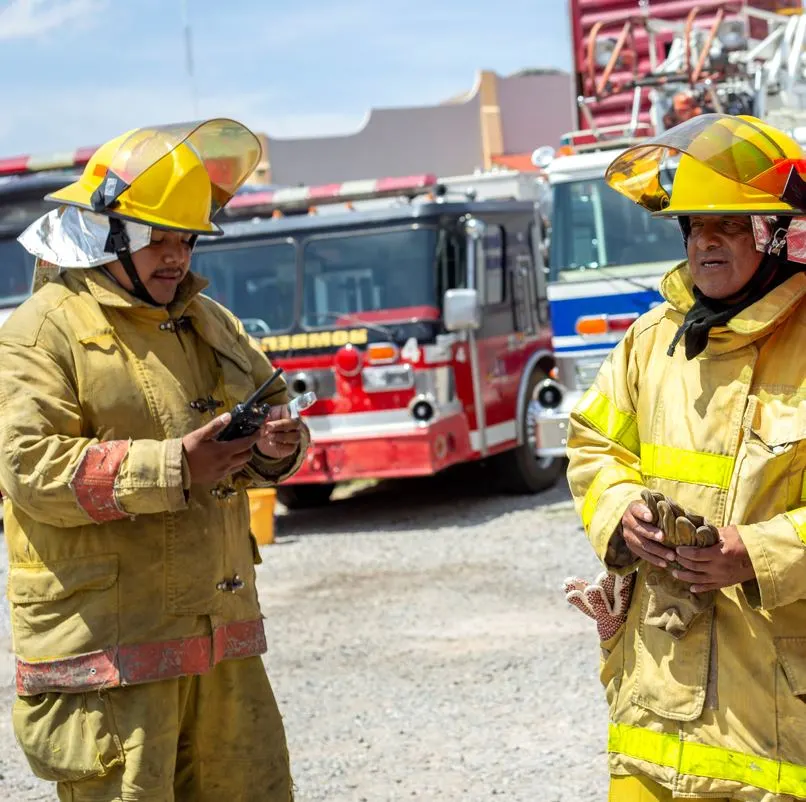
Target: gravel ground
pixel 420 647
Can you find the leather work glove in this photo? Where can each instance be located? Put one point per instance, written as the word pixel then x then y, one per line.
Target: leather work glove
pixel 680 527
pixel 606 601
pixel 671 605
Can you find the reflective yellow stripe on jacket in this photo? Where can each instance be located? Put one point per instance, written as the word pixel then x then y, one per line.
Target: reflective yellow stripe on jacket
pixel 700 760
pixel 657 461
pixel 798 519
pixel 601 413
pixel 608 477
pixel 679 465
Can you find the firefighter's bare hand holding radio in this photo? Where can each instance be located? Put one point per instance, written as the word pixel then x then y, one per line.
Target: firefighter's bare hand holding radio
pixel 280 434
pixel 212 460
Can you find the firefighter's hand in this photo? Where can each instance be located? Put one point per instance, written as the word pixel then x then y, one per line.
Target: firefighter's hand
pixel 280 435
pixel 209 460
pixel 720 566
pixel 644 539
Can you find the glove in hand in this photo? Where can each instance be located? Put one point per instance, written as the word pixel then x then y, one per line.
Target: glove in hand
pixel 680 527
pixel 671 605
pixel 606 600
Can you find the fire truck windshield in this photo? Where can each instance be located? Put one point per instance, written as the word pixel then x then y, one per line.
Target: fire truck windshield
pixel 256 282
pixel 346 275
pixel 16 272
pixel 21 203
pixel 595 227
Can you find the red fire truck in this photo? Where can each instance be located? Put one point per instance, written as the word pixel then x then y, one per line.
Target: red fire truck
pixel 414 308
pixel 21 202
pixel 416 311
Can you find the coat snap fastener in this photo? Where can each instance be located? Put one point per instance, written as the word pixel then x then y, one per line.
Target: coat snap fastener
pixel 231 585
pixel 208 404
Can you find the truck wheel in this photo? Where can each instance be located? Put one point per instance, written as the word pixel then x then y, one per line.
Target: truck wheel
pixel 519 471
pixel 301 497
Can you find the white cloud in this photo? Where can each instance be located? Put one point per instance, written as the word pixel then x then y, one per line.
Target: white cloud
pixel 24 19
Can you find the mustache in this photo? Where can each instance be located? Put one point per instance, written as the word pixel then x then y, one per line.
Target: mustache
pixel 715 255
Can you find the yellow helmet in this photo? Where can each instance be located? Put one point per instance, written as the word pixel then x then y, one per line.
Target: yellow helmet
pixel 698 189
pixel 728 165
pixel 173 177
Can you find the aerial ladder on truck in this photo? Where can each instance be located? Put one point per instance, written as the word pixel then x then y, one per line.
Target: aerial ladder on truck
pixel 711 63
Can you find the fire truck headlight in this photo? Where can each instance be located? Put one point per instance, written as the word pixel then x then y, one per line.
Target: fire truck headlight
pixel 422 409
pixel 389 377
pixel 302 383
pixel 548 394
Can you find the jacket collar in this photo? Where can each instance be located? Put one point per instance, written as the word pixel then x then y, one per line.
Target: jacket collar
pixel 758 319
pixel 108 292
pixel 214 329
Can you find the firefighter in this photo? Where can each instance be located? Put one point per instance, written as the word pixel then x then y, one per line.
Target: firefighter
pixel 687 464
pixel 136 624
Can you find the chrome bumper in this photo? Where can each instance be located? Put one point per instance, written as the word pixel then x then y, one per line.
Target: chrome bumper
pixel 551 424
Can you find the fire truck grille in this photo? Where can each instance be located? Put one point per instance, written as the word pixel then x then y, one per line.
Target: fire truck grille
pixel 321 381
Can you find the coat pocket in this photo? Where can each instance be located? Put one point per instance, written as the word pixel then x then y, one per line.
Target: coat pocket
pixel 790 698
pixel 778 425
pixel 671 606
pixel 67 737
pixel 65 607
pixel 671 673
pixel 774 457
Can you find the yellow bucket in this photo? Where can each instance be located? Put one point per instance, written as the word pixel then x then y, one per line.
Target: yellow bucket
pixel 261 513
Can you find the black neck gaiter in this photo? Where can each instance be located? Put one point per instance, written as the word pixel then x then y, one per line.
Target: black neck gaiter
pixel 709 312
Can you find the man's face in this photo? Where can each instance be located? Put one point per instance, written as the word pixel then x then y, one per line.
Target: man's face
pixel 161 265
pixel 722 253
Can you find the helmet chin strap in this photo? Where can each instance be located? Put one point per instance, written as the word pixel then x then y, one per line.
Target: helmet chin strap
pixel 118 243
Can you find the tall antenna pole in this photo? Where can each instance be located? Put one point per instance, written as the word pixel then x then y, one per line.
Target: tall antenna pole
pixel 189 57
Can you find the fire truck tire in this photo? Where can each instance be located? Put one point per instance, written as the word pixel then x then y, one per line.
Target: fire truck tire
pixel 301 497
pixel 518 471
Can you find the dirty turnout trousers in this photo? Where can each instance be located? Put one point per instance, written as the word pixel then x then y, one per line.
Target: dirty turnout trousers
pixel 205 738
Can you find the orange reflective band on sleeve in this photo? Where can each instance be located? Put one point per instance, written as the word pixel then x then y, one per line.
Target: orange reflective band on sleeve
pixel 134 664
pixel 608 477
pixel 679 465
pixel 600 412
pixel 94 480
pixel 701 760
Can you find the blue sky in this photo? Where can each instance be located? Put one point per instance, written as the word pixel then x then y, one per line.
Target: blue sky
pixel 77 72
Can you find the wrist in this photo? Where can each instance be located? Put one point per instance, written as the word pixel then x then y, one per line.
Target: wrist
pixel 263 453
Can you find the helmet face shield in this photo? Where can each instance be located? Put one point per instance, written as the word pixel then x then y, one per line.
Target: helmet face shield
pixel 740 149
pixel 228 150
pixel 170 176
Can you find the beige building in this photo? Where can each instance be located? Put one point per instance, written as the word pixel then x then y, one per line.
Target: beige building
pixel 500 121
